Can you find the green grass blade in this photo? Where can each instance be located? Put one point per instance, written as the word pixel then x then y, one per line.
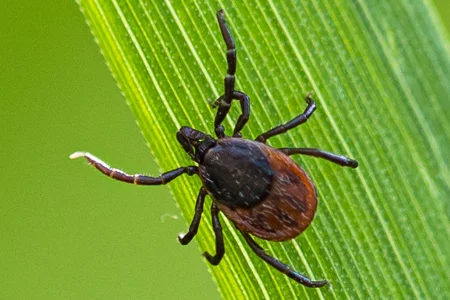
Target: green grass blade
pixel 379 73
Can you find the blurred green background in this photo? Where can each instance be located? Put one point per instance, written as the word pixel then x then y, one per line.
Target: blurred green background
pixel 66 232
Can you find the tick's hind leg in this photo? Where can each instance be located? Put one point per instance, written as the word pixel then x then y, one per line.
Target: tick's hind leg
pixel 335 158
pixel 136 178
pixel 220 247
pixel 280 266
pixel 300 119
pixel 184 240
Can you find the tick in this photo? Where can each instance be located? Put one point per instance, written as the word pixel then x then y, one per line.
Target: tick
pixel 257 187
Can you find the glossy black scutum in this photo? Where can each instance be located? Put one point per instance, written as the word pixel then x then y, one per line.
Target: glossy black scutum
pixel 236 172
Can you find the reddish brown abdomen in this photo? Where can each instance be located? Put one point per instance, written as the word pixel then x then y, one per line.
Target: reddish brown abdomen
pixel 288 208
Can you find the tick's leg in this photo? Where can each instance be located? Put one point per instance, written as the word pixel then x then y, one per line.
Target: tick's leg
pixel 137 178
pixel 245 107
pixel 184 240
pixel 224 101
pixel 280 266
pixel 222 112
pixel 231 57
pixel 335 158
pixel 220 248
pixel 291 124
pixel 225 108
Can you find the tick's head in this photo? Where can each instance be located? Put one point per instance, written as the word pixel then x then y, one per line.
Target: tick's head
pixel 195 142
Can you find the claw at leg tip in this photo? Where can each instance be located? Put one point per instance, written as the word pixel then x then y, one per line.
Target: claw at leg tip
pixel 353 164
pixel 77 154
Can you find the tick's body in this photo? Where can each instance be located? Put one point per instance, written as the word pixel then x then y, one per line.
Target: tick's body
pixel 259 188
pixel 262 190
